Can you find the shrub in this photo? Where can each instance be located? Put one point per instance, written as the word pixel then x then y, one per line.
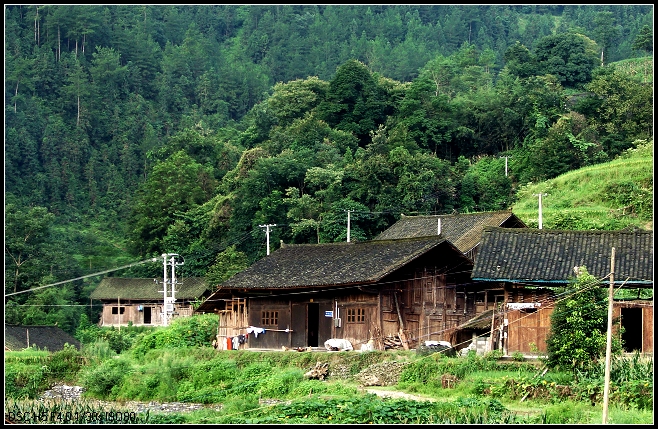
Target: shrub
pixel 281 382
pixel 194 331
pixel 65 363
pixel 98 351
pixel 577 339
pixel 420 371
pixel 25 380
pixel 104 380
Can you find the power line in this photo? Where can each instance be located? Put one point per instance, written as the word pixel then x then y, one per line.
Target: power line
pixel 84 277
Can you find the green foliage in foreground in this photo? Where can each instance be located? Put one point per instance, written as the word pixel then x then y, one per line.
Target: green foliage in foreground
pixel 270 386
pixel 29 372
pixel 371 409
pixel 118 339
pixel 66 412
pixel 197 331
pixel 579 323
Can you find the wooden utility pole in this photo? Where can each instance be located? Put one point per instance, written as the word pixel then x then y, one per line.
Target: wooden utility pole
pixel 403 334
pixel 608 347
pixel 493 318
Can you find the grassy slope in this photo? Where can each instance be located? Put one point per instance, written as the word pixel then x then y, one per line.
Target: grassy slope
pixel 581 199
pixel 640 68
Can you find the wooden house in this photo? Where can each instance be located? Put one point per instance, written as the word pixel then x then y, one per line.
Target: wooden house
pixel 524 263
pixel 141 300
pixel 463 230
pixel 386 292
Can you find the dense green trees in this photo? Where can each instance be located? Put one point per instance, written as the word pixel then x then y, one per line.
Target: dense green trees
pixel 174 187
pixel 184 128
pixel 644 40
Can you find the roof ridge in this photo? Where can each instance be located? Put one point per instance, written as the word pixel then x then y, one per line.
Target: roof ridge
pixel 460 214
pixel 575 231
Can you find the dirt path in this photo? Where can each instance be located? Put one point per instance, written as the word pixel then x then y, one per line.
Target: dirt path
pixel 398 395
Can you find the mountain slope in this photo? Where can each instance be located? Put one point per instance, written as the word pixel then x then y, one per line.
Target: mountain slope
pixel 612 195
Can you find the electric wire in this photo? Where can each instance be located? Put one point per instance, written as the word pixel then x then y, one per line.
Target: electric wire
pixel 83 277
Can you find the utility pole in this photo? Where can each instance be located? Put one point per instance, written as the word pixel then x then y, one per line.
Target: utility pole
pixel 507 156
pixel 267 232
pixel 608 347
pixel 169 296
pixel 348 225
pixel 540 210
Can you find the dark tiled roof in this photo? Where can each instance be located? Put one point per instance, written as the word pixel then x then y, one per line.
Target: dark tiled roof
pixel 540 255
pixel 52 338
pixel 463 230
pixel 132 288
pixel 301 265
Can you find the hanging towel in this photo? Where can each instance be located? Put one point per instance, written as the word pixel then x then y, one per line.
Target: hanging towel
pixel 255 330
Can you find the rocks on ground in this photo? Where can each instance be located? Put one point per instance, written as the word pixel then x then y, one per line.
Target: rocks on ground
pixel 381 374
pixel 74 393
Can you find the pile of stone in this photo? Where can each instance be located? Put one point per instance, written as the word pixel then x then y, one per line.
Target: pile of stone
pixel 63 391
pixel 74 393
pixel 381 374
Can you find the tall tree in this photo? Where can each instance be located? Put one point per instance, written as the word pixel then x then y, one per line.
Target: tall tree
pixel 606 32
pixel 644 39
pixel 27 232
pixel 571 57
pixel 175 186
pixel 355 102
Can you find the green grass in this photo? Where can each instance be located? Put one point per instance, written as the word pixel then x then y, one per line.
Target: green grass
pixel 27 355
pixel 640 68
pixel 608 196
pixel 255 387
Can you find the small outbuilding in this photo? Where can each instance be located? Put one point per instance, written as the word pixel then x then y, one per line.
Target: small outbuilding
pixel 140 301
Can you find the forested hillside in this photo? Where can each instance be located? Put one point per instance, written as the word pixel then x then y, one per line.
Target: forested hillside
pixel 132 131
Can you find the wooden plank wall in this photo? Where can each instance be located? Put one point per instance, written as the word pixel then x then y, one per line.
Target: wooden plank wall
pixel 232 321
pixel 526 328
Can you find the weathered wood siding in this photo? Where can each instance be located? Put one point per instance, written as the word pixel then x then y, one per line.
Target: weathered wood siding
pixel 359 318
pixel 527 330
pixel 150 315
pixel 132 314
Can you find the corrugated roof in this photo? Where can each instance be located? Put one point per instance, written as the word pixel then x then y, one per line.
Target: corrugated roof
pixel 463 230
pixel 52 338
pixel 143 289
pixel 300 265
pixel 540 255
